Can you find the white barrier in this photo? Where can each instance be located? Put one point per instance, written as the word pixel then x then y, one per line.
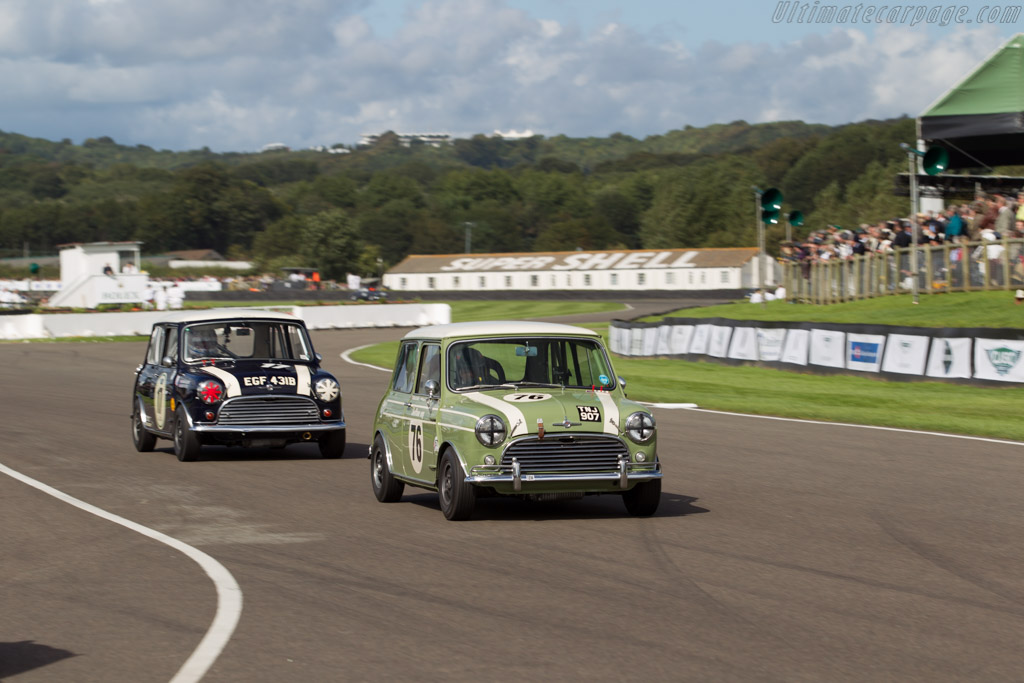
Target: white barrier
pixel 993 355
pixel 58 325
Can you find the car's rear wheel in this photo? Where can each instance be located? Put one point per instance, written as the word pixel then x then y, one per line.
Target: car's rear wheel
pixel 642 500
pixel 186 442
pixel 332 444
pixel 386 488
pixel 457 497
pixel 143 440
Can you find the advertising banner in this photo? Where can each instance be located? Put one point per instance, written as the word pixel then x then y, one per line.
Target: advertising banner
pixel 999 359
pixel 905 354
pixel 744 344
pixel 796 346
pixel 680 339
pixel 718 346
pixel 769 344
pixel 828 348
pixel 864 351
pixel 950 358
pixel 699 341
pixel 895 351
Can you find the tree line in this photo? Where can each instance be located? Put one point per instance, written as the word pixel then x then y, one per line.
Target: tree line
pixel 367 209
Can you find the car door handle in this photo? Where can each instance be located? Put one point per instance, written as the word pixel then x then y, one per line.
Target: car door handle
pixel 408 405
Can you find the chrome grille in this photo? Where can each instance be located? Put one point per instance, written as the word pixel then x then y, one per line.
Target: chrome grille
pixel 269 410
pixel 565 454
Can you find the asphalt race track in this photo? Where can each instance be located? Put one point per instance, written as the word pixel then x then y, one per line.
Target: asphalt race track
pixel 782 551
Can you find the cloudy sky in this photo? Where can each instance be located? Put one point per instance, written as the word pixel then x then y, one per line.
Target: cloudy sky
pixel 234 75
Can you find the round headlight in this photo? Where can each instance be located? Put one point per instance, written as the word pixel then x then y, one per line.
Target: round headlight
pixel 210 391
pixel 326 389
pixel 490 430
pixel 640 427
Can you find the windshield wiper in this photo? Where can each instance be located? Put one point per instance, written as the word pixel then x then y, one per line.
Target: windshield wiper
pixel 539 384
pixel 487 386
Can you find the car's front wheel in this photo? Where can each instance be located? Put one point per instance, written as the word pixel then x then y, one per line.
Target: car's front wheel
pixel 143 440
pixel 186 442
pixel 332 444
pixel 457 497
pixel 386 488
pixel 642 500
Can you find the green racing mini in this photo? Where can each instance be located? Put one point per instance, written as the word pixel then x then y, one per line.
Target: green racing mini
pixel 511 408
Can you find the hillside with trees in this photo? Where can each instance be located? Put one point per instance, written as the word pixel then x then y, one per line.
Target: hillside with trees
pixel 372 206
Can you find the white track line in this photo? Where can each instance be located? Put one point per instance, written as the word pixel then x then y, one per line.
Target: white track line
pixel 229 595
pixel 693 406
pixel 849 424
pixel 345 357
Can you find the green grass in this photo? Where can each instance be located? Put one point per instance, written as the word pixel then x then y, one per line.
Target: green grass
pixel 953 309
pixel 471 311
pixel 930 406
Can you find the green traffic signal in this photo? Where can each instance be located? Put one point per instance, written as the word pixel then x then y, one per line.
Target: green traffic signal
pixel 771 206
pixel 771 200
pixel 796 218
pixel 936 160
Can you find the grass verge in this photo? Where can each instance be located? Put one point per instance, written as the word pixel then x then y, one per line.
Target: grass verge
pixel 929 406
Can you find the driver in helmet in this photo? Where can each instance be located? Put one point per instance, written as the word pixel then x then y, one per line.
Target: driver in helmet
pixel 202 343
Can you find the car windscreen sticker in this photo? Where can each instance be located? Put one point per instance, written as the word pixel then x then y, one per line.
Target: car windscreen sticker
pixel 605 381
pixel 589 413
pixel 526 398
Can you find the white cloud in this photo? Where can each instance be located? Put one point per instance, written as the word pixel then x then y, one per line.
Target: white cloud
pixel 234 74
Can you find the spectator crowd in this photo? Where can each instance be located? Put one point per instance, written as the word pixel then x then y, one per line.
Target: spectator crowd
pixel 987 218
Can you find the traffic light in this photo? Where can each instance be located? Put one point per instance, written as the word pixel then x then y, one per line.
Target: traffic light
pixel 795 218
pixel 934 161
pixel 771 206
pixel 33 268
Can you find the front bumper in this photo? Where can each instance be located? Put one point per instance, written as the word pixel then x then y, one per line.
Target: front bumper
pixel 623 478
pixel 213 428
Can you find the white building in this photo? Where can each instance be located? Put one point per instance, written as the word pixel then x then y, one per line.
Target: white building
pixel 406 139
pixel 653 269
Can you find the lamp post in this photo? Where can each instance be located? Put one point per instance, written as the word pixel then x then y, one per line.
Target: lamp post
pixel 936 160
pixel 768 205
pixel 469 236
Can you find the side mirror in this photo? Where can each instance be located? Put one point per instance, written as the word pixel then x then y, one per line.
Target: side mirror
pixel 432 388
pixel 168 361
pixel 622 382
pixel 318 357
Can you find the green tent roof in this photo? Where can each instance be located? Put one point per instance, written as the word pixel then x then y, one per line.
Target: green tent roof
pixel 995 87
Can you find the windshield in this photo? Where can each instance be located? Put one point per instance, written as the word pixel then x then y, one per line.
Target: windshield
pixel 244 340
pixel 535 362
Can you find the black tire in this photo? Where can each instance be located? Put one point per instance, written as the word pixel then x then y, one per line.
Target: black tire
pixel 144 441
pixel 332 444
pixel 386 488
pixel 457 497
pixel 186 443
pixel 642 500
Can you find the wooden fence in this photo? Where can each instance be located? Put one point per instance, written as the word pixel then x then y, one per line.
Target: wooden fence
pixel 974 266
